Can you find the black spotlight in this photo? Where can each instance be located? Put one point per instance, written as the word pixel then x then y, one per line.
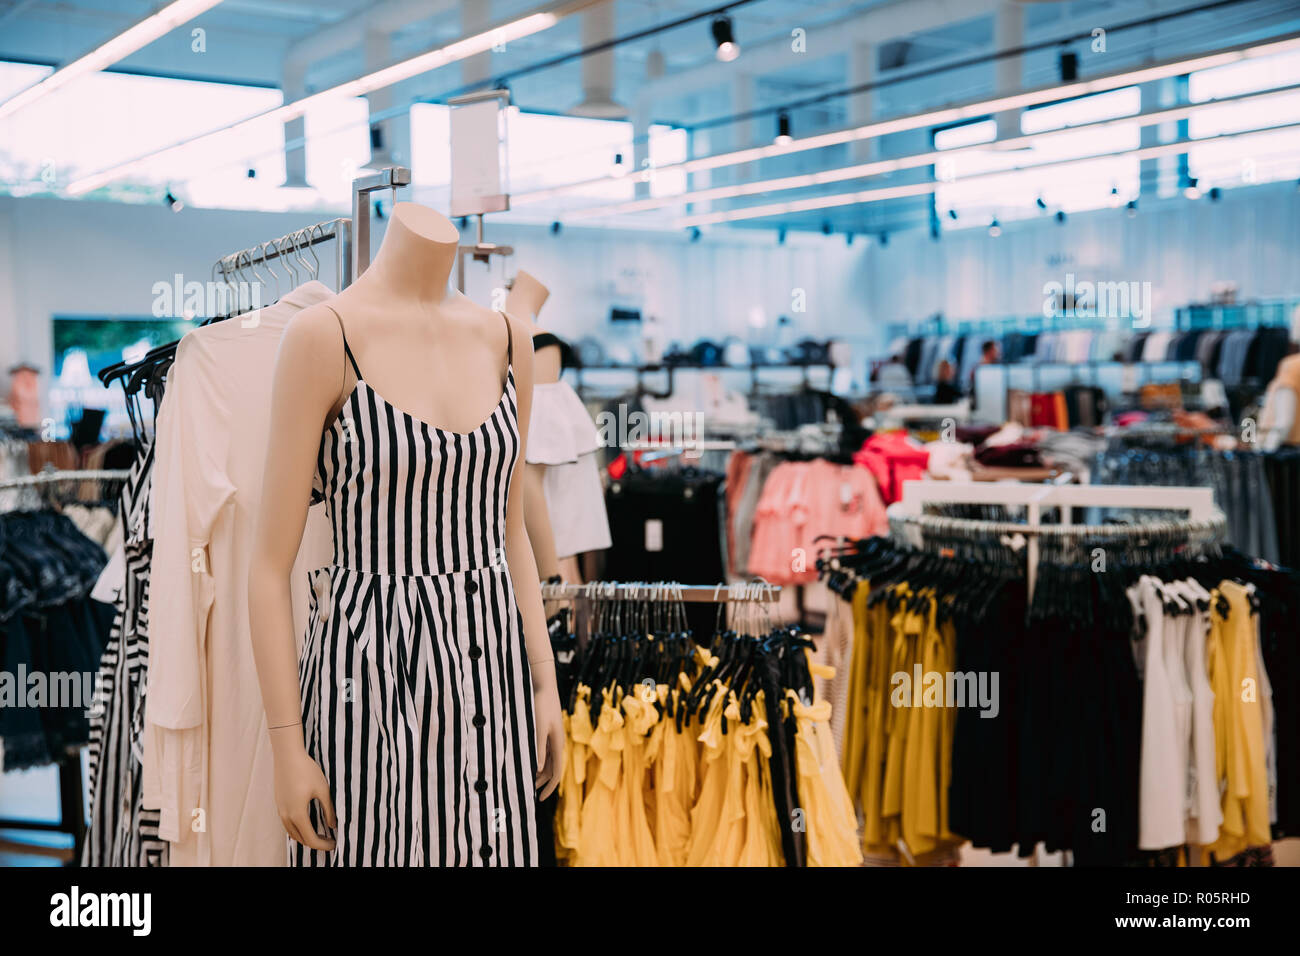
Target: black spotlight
pixel 1132 208
pixel 1040 203
pixel 1215 193
pixel 780 236
pixel 848 238
pixel 995 229
pixel 252 173
pixel 695 233
pixel 172 203
pixel 884 239
pixel 725 38
pixel 555 228
pixel 935 232
pixel 1069 66
pixel 782 127
pixel 1060 216
pixel 379 210
pixel 462 222
pixel 826 228
pixel 952 214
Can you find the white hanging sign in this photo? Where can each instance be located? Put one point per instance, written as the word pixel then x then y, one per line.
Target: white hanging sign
pixel 479 181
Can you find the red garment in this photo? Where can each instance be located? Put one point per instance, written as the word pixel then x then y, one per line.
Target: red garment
pixel 893 458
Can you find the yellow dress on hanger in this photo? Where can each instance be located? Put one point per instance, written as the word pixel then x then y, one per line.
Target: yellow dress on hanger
pixel 568 811
pixel 673 781
pixel 755 749
pixel 706 815
pixel 597 845
pixel 832 837
pixel 636 844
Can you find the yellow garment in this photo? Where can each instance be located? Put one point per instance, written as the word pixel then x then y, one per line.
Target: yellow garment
pixel 831 824
pixel 597 845
pixel 672 782
pixel 636 844
pixel 706 815
pixel 755 750
pixel 568 810
pixel 1238 725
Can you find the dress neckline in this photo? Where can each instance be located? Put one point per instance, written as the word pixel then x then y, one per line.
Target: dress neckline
pixel 505 393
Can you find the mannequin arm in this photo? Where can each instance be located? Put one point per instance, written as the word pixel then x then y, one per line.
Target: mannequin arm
pixel 308 382
pixel 1281 417
pixel 538 521
pixel 528 592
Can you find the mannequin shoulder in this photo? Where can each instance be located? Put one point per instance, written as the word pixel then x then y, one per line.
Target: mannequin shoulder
pixel 314 332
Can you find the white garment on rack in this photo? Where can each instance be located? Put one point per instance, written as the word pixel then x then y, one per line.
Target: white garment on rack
pixel 1204 807
pixel 562 436
pixel 207 755
pixel 111 579
pixel 1163 771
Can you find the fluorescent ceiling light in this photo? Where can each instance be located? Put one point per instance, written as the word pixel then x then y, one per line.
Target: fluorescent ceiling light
pixel 914 161
pixel 423 63
pixel 118 48
pixel 865 196
pixel 947 115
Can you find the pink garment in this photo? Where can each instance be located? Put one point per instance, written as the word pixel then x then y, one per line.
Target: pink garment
pixel 802 501
pixel 893 458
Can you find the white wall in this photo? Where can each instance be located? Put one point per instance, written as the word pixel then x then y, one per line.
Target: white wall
pixel 67 258
pixel 1251 236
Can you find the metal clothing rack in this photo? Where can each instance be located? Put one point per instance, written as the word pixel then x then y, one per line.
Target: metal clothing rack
pixel 742 591
pixel 908 512
pixel 51 475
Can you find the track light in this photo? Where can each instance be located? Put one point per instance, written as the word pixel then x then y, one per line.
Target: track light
pixel 1115 200
pixel 556 227
pixel 994 229
pixel 782 128
pixel 172 202
pixel 379 210
pixel 1132 208
pixel 620 167
pixel 780 236
pixel 1060 216
pixel 884 239
pixel 848 238
pixel 1039 202
pixel 725 38
pixel 826 228
pixel 695 233
pixel 1191 190
pixel 252 173
pixel 1215 193
pixel 1068 63
pixel 952 214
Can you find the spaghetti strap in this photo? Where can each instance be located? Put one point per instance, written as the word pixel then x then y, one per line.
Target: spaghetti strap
pixel 345 342
pixel 510 340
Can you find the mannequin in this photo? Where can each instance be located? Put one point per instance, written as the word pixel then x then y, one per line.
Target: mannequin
pixel 526 297
pixel 563 478
pixel 400 343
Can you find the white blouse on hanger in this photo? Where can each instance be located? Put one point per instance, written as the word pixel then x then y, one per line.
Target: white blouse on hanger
pixel 562 436
pixel 207 755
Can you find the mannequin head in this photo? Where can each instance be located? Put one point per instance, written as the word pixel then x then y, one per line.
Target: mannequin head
pixel 417 254
pixel 527 296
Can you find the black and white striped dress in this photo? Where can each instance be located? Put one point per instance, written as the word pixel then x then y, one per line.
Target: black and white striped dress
pixel 416 695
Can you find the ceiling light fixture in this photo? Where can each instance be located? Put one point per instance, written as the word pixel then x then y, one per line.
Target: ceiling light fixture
pixel 866 196
pixel 415 66
pixel 897 164
pixel 1191 190
pixel 956 114
pixel 995 230
pixel 106 54
pixel 782 128
pixel 725 38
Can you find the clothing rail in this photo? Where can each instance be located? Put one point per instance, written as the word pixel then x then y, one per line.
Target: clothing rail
pixel 292 243
pixel 1197 502
pixel 748 591
pixel 48 477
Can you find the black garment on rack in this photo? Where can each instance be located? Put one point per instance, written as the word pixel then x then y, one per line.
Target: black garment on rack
pixel 667 527
pixel 1282 471
pixel 51 630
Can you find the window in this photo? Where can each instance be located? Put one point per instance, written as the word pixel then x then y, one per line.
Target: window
pixel 1090 183
pixel 1257 158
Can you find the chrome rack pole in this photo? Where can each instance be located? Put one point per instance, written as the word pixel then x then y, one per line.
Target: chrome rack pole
pixel 388 178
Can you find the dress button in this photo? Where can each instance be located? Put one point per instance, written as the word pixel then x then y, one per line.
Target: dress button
pixel 486 852
pixel 475 652
pixel 479 720
pixel 471 586
pixel 481 786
